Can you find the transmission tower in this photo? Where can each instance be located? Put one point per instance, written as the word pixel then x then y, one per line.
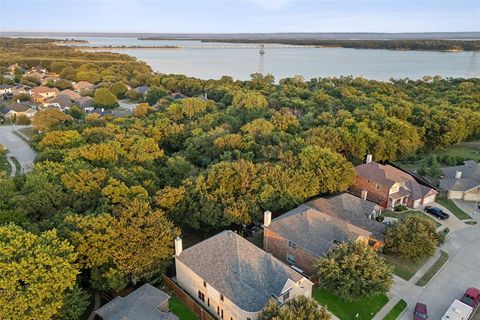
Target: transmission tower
pixel 471 72
pixel 262 54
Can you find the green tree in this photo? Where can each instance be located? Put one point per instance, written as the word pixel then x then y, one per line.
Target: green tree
pixel 412 238
pixel 103 98
pixel 354 270
pixel 154 94
pixel 119 89
pixel 35 273
pixel 75 304
pixel 297 308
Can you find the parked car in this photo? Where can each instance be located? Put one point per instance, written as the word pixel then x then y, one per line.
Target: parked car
pixel 420 312
pixel 437 212
pixel 471 297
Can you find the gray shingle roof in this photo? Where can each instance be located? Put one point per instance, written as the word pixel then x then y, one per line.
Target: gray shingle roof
pixel 242 272
pixel 469 180
pixel 140 304
pixel 352 209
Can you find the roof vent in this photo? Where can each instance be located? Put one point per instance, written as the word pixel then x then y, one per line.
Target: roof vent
pixel 369 158
pixel 458 174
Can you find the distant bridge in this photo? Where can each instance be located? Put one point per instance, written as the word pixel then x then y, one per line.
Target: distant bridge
pixel 243 46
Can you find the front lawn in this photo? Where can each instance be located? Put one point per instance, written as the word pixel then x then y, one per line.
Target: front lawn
pixel 180 310
pixel 410 213
pixel 433 269
pixel 404 269
pixel 366 308
pixel 396 311
pixel 450 205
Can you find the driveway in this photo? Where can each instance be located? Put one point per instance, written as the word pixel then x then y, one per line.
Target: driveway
pixel 459 273
pixel 17 148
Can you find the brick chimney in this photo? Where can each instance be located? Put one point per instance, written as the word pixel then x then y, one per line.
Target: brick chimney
pixel 369 158
pixel 458 174
pixel 267 218
pixel 178 246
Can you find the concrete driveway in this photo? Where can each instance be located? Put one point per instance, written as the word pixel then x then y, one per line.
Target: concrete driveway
pixel 17 148
pixel 459 273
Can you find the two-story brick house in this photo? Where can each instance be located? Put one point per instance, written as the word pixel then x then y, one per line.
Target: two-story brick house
pixel 233 278
pixel 389 186
pixel 303 235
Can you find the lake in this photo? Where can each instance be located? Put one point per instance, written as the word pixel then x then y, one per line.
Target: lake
pixel 213 60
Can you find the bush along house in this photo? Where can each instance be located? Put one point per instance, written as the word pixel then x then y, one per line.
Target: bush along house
pixel 389 186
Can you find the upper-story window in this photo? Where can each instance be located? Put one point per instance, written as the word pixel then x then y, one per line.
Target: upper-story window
pixel 205 284
pixel 221 297
pixel 291 258
pixel 286 296
pixel 291 245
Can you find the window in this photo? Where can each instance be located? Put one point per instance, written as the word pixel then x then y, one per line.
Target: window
pixel 204 284
pixel 221 313
pixel 218 310
pixel 291 258
pixel 201 296
pixel 286 296
pixel 291 245
pixel 221 297
pixel 208 302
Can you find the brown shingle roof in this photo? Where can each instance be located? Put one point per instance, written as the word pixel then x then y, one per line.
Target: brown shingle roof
pixel 43 89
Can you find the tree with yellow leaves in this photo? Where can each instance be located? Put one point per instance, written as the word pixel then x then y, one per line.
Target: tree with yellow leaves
pixel 35 272
pixel 46 118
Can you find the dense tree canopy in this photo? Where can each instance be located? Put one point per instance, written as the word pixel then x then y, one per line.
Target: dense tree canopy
pixel 298 308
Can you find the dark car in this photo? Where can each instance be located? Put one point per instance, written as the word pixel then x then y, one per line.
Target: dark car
pixel 420 312
pixel 437 212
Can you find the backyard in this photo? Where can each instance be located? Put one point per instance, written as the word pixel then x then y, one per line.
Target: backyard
pixel 180 310
pixel 366 308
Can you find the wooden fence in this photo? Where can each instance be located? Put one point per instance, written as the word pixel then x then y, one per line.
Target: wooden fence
pixel 187 300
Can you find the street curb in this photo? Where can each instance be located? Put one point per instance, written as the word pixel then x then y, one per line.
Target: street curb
pixel 438 271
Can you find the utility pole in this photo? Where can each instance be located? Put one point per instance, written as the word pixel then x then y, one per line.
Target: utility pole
pixel 262 54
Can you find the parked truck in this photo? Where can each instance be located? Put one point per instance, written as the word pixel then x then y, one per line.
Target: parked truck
pixel 464 308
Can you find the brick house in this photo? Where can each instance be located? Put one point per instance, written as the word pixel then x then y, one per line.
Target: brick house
pixel 303 235
pixel 233 278
pixel 389 186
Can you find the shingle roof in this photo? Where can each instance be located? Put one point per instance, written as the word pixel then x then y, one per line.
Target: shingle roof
pixel 352 209
pixel 469 180
pixel 242 272
pixel 43 89
pixel 62 100
pixel 142 89
pixel 388 175
pixel 83 85
pixel 19 107
pixel 85 102
pixel 6 86
pixel 70 93
pixel 140 304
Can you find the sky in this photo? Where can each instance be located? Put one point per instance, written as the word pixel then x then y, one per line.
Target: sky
pixel 236 16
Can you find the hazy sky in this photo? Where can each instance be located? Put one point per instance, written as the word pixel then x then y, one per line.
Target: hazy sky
pixel 240 15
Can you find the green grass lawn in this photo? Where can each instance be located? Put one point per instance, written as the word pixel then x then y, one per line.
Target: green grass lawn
pixel 396 311
pixel 450 205
pixel 257 240
pixel 433 269
pixel 404 214
pixel 180 310
pixel 347 310
pixel 404 269
pixel 466 150
pixel 27 132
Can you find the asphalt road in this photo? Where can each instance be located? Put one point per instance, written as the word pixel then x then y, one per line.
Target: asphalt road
pixel 460 272
pixel 17 148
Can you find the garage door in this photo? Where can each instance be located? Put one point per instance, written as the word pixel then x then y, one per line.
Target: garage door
pixel 455 195
pixel 470 196
pixel 429 199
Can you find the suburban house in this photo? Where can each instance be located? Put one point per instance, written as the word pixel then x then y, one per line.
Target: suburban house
pixel 146 303
pixel 142 89
pixel 462 182
pixel 233 278
pixel 37 72
pixel 16 109
pixel 61 102
pixel 19 89
pixel 85 104
pixel 6 88
pixel 83 85
pixel 71 94
pixel 13 67
pixel 390 186
pixel 42 93
pixel 310 231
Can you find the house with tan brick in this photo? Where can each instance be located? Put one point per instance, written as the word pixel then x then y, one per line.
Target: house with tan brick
pixel 389 186
pixel 42 93
pixel 462 182
pixel 233 278
pixel 309 232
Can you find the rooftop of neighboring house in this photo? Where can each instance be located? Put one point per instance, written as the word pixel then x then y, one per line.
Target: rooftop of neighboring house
pixel 242 272
pixel 352 209
pixel 62 100
pixel 6 86
pixel 19 106
pixel 38 69
pixel 70 93
pixel 85 102
pixel 142 89
pixel 388 176
pixel 140 304
pixel 461 178
pixel 43 89
pixel 83 85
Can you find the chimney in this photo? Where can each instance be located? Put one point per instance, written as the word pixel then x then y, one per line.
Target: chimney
pixel 364 194
pixel 178 246
pixel 267 218
pixel 369 158
pixel 458 174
